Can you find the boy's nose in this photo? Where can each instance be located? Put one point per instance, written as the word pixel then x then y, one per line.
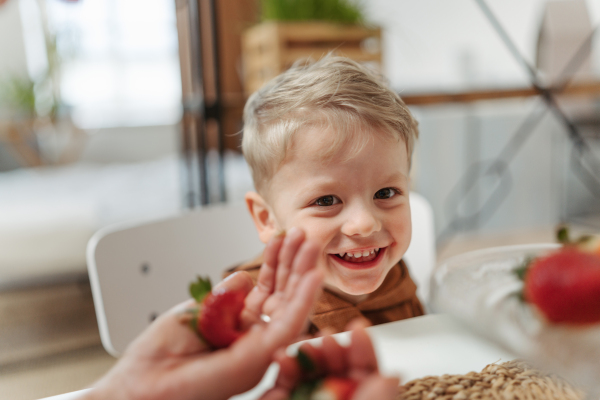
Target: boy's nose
pixel 360 221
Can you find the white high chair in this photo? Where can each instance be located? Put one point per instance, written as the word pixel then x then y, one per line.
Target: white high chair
pixel 139 271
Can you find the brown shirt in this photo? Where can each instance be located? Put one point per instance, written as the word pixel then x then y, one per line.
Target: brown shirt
pixel 394 300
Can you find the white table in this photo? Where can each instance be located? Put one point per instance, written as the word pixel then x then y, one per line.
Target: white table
pixel 413 348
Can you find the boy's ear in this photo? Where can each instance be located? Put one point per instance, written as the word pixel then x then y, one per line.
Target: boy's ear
pixel 263 217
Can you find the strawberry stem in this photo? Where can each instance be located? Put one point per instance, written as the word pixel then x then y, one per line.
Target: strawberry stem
pixel 562 234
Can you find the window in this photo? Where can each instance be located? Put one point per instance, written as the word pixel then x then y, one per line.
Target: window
pixel 120 64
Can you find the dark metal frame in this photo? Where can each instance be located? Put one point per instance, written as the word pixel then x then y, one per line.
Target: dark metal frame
pixel 201 111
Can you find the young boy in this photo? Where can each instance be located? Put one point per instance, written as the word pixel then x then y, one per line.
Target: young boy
pixel 329 146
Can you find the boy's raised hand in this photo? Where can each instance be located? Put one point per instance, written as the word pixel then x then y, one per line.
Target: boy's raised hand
pixel 168 360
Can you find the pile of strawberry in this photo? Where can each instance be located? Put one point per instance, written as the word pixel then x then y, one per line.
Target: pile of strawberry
pixel 216 319
pixel 565 285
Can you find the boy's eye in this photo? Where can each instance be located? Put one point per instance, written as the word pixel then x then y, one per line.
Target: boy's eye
pixel 326 201
pixel 385 193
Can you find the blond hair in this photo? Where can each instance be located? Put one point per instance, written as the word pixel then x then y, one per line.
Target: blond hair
pixel 334 92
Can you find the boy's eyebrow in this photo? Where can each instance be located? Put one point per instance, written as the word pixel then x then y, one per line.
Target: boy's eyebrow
pixel 321 183
pixel 395 176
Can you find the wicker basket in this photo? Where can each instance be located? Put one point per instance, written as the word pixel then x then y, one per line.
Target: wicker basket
pixel 272 47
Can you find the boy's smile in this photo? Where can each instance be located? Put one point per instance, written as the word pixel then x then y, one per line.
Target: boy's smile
pixel 355 204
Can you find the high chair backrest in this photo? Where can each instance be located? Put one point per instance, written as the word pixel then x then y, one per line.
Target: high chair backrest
pixel 138 271
pixel 421 254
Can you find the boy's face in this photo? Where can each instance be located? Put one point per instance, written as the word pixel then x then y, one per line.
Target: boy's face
pixel 357 208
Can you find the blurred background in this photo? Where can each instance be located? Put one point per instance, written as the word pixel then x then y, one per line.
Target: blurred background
pixel 124 110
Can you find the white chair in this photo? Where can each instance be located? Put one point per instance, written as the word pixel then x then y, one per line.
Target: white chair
pixel 421 256
pixel 139 271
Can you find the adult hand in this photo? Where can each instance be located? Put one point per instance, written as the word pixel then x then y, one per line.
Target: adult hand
pixel 357 361
pixel 278 274
pixel 168 360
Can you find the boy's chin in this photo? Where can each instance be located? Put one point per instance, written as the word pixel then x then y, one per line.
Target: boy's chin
pixel 358 289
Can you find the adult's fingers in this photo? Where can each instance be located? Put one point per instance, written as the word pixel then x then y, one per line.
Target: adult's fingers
pixel 358 323
pixel 287 323
pixel 362 360
pixel 305 260
pixel 377 387
pixel 289 371
pixel 291 244
pixel 334 356
pixel 239 281
pixel 276 393
pixel 265 285
pixel 317 360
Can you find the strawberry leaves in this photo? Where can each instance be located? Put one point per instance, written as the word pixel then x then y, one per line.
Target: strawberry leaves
pixel 521 270
pixel 306 363
pixel 200 289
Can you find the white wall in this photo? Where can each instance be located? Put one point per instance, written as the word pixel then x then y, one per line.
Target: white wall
pixel 437 44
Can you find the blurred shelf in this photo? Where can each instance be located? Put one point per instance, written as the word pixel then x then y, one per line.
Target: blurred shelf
pixel 576 89
pixel 589 220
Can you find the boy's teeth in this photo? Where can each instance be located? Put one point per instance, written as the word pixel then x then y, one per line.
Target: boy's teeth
pixel 362 254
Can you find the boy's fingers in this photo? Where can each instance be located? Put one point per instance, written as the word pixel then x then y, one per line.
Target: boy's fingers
pixel 265 284
pixel 361 355
pixel 291 244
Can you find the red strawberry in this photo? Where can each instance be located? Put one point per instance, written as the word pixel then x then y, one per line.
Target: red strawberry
pixel 333 388
pixel 328 388
pixel 218 319
pixel 565 286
